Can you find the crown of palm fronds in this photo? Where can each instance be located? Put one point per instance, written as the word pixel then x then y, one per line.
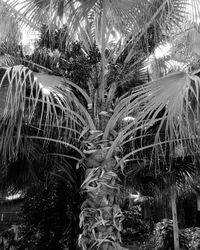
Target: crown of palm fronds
pixel 127 17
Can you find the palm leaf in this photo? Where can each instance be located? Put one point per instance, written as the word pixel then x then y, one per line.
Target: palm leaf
pixel 8 25
pixel 8 14
pixel 162 15
pixel 24 103
pixel 167 117
pixel 194 11
pixel 34 11
pixel 127 17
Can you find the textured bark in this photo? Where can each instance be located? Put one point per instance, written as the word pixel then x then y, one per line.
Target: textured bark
pixel 175 219
pixel 101 215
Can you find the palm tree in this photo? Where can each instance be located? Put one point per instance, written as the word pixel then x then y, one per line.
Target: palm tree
pixel 101 129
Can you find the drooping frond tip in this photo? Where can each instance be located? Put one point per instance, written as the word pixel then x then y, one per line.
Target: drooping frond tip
pixel 166 122
pixel 25 107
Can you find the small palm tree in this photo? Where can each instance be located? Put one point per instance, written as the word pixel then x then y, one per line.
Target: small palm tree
pixel 157 120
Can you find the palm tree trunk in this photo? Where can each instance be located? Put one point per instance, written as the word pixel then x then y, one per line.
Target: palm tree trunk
pixel 198 211
pixel 101 215
pixel 198 202
pixel 102 45
pixel 174 217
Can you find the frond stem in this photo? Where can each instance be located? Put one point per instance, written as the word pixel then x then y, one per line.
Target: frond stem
pixel 103 31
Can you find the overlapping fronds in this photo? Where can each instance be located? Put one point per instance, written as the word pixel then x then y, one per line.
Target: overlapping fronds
pixel 172 14
pixel 37 12
pixel 194 11
pixel 28 111
pixel 129 16
pixel 170 95
pixel 8 25
pixel 126 17
pixel 9 15
pixel 165 117
pixel 122 15
pixel 160 20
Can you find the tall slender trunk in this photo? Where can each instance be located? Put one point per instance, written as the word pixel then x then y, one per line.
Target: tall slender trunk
pixel 101 216
pixel 174 217
pixel 198 202
pixel 103 47
pixel 198 211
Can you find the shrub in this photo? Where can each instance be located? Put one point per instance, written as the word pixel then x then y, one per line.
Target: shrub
pixel 50 218
pixel 190 238
pixel 134 228
pixel 162 238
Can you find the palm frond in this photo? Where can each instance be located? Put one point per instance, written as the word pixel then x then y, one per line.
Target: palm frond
pixel 82 115
pixel 161 17
pixel 8 25
pixel 167 117
pixel 8 12
pixel 32 12
pixel 127 17
pixel 194 11
pixel 25 103
pixel 7 60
